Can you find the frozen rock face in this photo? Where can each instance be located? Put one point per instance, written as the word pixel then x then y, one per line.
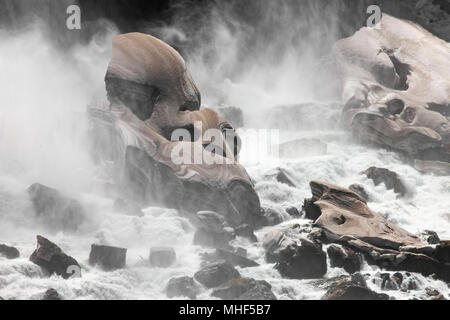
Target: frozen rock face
pixel 396 88
pixel 152 94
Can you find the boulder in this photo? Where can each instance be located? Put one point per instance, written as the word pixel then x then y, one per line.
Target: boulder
pixel 53 260
pixel 430 237
pixel 162 257
pixel 359 189
pixel 55 209
pixel 107 257
pixel 283 177
pixel 245 289
pixel 388 177
pixel 51 294
pixel 270 217
pixel 246 231
pixel 182 287
pixel 438 168
pixel 293 212
pixel 296 258
pixel 346 219
pixel 397 96
pixel 9 252
pixel 128 208
pixel 312 211
pixel 350 290
pixel 302 148
pixel 344 257
pixel 234 258
pixel 213 231
pixel 215 274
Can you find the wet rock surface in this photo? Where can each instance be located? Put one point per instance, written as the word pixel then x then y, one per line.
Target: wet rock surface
pixel 162 257
pixel 215 274
pixel 182 287
pixel 359 189
pixel 352 288
pixel 107 257
pixel 55 209
pixel 390 179
pixel 53 260
pixel 9 252
pixel 51 294
pixel 283 176
pixel 245 289
pixel 295 257
pixel 344 257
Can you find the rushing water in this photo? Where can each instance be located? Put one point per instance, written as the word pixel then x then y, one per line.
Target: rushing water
pixel 43 98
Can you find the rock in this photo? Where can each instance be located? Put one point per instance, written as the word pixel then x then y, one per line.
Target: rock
pixel 271 217
pixel 233 114
pixel 431 292
pixel 211 221
pixel 438 168
pixel 182 287
pixel 388 282
pixel 430 237
pixel 235 259
pixel 245 289
pixel 345 214
pixel 107 257
pixel 216 273
pixel 344 257
pixel 311 210
pixel 359 189
pixel 349 290
pixel 302 148
pixel 293 212
pixel 51 294
pixel 52 259
pixel 54 209
pixel 346 219
pixel 389 99
pixel 1 298
pixel 213 240
pixel 128 208
pixel 295 258
pixel 388 177
pixel 9 252
pixel 213 230
pixel 162 257
pixel 283 177
pixel 246 231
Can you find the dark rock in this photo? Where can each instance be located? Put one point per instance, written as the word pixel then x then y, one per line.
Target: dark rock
pixel 51 294
pixel 235 259
pixel 270 217
pixel 430 236
pixel 213 230
pixel 349 289
pixel 1 298
pixel 246 231
pixel 216 273
pixel 162 257
pixel 311 210
pixel 398 278
pixel 151 182
pixel 232 114
pixel 213 240
pixel 388 177
pixel 296 259
pixel 283 177
pixel 9 252
pixel 107 257
pixel 388 282
pixel 293 212
pixel 344 257
pixel 52 259
pixel 431 292
pixel 443 251
pixel 245 289
pixel 128 208
pixel 182 287
pixel 56 210
pixel 359 189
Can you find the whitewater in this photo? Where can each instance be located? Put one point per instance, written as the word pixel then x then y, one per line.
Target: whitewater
pixel 43 134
